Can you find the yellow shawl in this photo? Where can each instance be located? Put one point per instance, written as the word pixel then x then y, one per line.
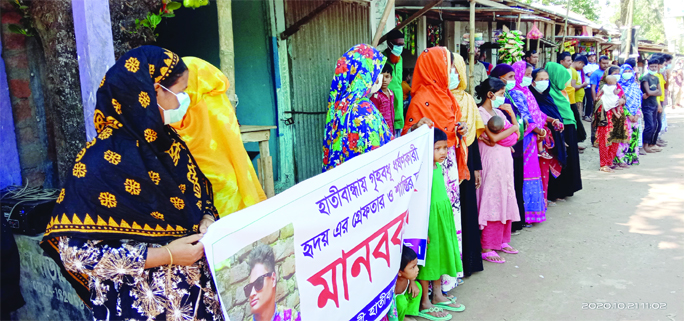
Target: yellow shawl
pixel 470 115
pixel 211 131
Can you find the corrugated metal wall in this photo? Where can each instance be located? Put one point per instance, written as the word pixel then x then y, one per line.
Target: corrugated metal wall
pixel 313 52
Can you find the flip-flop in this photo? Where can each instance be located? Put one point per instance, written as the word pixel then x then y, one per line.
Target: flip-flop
pixel 451 298
pixel 424 314
pixel 446 306
pixel 486 257
pixel 503 245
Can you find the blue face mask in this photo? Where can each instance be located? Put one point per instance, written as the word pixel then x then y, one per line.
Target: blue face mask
pixel 541 85
pixel 454 80
pixel 526 81
pixel 663 69
pixel 175 115
pixel 397 50
pixel 498 101
pixel 627 75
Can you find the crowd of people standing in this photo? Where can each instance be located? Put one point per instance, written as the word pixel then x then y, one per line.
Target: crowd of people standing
pixel 502 156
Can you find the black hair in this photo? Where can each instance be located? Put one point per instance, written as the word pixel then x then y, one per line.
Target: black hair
pixel 394 34
pixel 529 65
pixel 667 57
pixel 387 69
pixel 529 53
pixel 581 58
pixel 591 54
pixel 603 58
pixel 654 61
pixel 611 69
pixel 574 56
pixel 489 84
pixel 562 56
pixel 440 135
pixel 407 255
pixel 175 74
pixel 262 254
pixel 536 71
pixel 631 61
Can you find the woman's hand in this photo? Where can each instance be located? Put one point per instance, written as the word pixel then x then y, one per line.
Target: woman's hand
pixel 485 139
pixel 421 122
pixel 633 119
pixel 413 288
pixel 507 108
pixel 186 250
pixel 462 129
pixel 478 179
pixel 205 222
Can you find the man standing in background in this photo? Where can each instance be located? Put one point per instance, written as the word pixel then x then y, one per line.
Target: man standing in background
pixel 589 99
pixel 395 46
pixel 532 57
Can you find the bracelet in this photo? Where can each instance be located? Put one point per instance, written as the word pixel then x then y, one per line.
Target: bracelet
pixel 170 255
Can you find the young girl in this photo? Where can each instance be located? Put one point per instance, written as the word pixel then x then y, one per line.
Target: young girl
pixel 609 120
pixel 496 197
pixel 442 256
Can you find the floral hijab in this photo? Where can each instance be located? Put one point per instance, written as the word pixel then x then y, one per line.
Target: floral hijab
pixel 137 179
pixel 632 90
pixel 537 119
pixel 353 125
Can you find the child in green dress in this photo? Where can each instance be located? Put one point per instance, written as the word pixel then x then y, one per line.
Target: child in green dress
pixel 407 292
pixel 442 255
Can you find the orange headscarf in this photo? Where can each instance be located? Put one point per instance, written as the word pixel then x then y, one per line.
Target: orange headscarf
pixel 211 131
pixel 432 99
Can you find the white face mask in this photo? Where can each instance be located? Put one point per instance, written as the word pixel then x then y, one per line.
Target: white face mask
pixel 377 85
pixel 526 81
pixel 541 85
pixel 609 97
pixel 454 80
pixel 498 101
pixel 175 115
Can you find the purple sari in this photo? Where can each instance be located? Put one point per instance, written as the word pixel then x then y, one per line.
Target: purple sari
pixel 533 190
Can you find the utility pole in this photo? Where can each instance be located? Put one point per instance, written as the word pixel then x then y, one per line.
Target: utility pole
pixel 628 23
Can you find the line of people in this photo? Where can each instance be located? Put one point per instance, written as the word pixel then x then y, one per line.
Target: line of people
pixel 526 153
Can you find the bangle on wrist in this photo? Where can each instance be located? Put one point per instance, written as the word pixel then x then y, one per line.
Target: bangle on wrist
pixel 170 255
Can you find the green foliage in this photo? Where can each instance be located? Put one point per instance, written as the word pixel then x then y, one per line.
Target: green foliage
pixel 154 19
pixel 26 26
pixel 587 8
pixel 648 14
pixel 195 3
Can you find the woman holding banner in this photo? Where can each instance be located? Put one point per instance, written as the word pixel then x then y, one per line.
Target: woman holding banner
pixel 126 226
pixel 353 125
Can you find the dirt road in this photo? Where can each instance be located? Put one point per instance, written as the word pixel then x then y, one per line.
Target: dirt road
pixel 614 251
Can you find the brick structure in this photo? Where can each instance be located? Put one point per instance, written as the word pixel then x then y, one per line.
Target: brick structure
pixel 27 107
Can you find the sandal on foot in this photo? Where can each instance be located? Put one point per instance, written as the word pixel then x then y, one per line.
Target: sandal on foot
pixel 606 169
pixel 486 257
pixel 451 298
pixel 446 306
pixel 504 245
pixel 424 314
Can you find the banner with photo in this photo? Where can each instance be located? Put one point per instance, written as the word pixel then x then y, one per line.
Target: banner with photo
pixel 328 248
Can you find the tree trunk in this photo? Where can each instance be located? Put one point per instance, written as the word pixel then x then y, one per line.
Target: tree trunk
pixel 54 25
pixel 124 32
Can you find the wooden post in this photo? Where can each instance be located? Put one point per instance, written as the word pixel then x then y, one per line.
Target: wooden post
pixel 383 21
pixel 567 13
pixel 630 12
pixel 414 16
pixel 226 47
pixel 471 51
pixel 421 35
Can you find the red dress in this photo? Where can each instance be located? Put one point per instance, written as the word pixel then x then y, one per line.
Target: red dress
pixel 385 105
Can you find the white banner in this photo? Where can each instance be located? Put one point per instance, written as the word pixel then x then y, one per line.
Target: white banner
pixel 328 248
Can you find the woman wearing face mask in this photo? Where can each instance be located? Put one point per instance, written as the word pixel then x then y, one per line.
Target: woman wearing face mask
pixel 554 143
pixel 533 192
pixel 349 131
pixel 496 199
pixel 628 153
pixel 211 131
pixel 609 119
pixel 432 76
pixel 570 180
pixel 506 73
pixel 126 226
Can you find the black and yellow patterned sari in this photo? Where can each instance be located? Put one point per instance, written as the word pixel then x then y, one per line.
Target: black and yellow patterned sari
pixel 134 186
